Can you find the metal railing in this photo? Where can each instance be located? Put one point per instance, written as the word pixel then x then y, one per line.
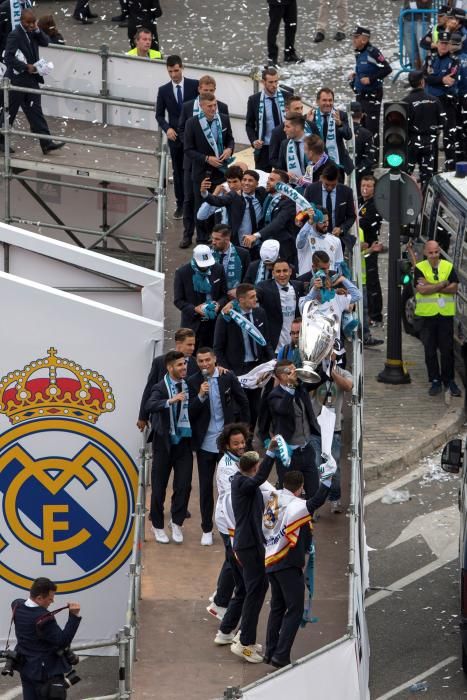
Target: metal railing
pixel 413 25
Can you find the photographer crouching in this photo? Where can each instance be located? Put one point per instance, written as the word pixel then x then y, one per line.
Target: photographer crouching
pixel 42 655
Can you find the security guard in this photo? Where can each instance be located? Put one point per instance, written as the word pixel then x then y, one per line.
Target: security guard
pixel 435 282
pixel 424 122
pixel 367 80
pixel 441 73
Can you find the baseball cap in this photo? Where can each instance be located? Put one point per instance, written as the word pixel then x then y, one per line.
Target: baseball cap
pixel 269 251
pixel 361 31
pixel 202 256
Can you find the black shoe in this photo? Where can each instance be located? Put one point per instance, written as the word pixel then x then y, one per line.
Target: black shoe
pixel 185 243
pixel 370 342
pixel 120 18
pixel 454 389
pixel 319 36
pixel 52 146
pixel 123 24
pixel 92 15
pixel 339 36
pixel 292 57
pixel 83 20
pixel 178 213
pixel 272 63
pixel 278 664
pixel 188 515
pixel 435 388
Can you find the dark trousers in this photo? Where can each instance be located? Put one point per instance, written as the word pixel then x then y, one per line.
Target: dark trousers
pixel 421 152
pixel 180 459
pixel 262 159
pixel 207 462
pixel 438 334
pixel 188 205
pixel 303 460
pixel 373 288
pixel 287 13
pixel 449 108
pixel 176 154
pixel 254 399
pixel 230 577
pixel 462 126
pixel 251 593
pixel 371 103
pixel 81 10
pixel 287 604
pixel 205 334
pixel 31 106
pixel 31 690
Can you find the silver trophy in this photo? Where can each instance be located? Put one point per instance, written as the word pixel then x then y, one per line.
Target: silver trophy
pixel 317 336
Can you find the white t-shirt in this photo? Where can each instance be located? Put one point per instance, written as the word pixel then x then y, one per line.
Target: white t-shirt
pixel 309 241
pixel 288 305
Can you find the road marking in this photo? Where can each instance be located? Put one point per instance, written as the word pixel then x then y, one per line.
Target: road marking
pixel 416 679
pixel 13 693
pixel 439 529
pixel 407 580
pixel 401 481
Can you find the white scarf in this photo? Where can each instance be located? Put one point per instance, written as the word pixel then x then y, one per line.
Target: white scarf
pixel 331 142
pixel 182 428
pixel 262 102
pixel 284 515
pixel 217 146
pixel 293 164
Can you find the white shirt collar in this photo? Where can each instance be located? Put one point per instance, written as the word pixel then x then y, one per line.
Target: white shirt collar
pixel 29 603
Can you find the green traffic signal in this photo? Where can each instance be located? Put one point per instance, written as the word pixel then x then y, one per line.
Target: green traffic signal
pixel 394 160
pixel 405 272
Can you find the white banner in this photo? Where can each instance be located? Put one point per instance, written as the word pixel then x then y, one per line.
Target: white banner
pixel 71 375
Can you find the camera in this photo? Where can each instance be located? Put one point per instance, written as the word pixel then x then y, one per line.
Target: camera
pixel 12 663
pixel 319 274
pixel 69 655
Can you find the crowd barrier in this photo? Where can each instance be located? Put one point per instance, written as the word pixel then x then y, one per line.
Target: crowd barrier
pixel 110 75
pixel 413 25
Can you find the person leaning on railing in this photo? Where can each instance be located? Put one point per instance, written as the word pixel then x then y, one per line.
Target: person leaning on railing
pixel 143 40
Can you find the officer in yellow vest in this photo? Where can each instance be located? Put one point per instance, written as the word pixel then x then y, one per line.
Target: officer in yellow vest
pixel 143 39
pixel 435 282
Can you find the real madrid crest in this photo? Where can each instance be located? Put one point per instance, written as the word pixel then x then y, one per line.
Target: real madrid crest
pixel 67 488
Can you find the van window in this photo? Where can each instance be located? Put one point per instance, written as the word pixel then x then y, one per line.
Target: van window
pixel 447 227
pixel 428 206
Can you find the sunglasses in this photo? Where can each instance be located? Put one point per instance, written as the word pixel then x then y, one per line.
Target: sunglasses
pixel 435 275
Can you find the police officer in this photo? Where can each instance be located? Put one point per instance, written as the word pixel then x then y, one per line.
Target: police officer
pixel 41 641
pixel 367 80
pixel 424 124
pixel 456 46
pixel 441 72
pixel 436 286
pixel 365 156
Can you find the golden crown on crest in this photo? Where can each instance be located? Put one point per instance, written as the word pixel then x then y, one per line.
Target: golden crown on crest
pixel 54 386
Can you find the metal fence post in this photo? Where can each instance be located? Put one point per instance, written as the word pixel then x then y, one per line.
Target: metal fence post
pixel 5 85
pixel 104 92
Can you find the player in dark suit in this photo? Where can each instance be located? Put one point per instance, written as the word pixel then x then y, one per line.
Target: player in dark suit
pixel 279 299
pixel 170 99
pixel 206 84
pixel 191 302
pixel 325 104
pixel 26 38
pixel 206 161
pixel 338 201
pixel 221 247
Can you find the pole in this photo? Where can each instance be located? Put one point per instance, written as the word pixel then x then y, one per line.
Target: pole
pixel 394 372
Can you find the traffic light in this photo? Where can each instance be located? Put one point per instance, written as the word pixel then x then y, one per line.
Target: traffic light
pixel 405 272
pixel 395 135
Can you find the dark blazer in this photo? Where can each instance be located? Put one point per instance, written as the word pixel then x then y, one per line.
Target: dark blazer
pixel 282 412
pixel 166 103
pixel 233 399
pixel 187 113
pixel 235 205
pixel 156 373
pixel 277 137
pixel 29 47
pixel 40 652
pixel 247 505
pixel 185 297
pixel 197 148
pixel 282 228
pixel 344 215
pixel 160 415
pixel 365 152
pixel 343 133
pixel 228 342
pixel 253 270
pixel 269 299
pixel 251 123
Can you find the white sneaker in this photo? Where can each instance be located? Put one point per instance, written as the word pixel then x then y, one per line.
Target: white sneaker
pixel 160 535
pixel 177 534
pixel 216 611
pixel 221 638
pixel 248 653
pixel 258 647
pixel 206 539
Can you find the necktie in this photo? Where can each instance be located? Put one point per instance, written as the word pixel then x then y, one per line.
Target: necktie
pixel 222 258
pixel 329 209
pixel 251 210
pixel 250 339
pixel 325 127
pixel 275 111
pixel 299 155
pixel 286 288
pixel 179 96
pixel 178 405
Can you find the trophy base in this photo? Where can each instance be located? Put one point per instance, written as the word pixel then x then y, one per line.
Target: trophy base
pixel 308 375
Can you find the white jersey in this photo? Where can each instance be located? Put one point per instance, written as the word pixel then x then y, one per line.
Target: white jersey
pixel 226 470
pixel 227 510
pixel 309 241
pixel 284 515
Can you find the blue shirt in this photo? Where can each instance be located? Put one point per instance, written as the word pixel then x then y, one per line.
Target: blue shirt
pixel 216 422
pixel 245 227
pixel 324 196
pixel 270 117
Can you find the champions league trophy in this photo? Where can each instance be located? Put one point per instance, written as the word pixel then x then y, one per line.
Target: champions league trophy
pixel 317 336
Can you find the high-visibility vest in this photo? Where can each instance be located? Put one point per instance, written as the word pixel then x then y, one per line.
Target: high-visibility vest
pixel 362 240
pixel 151 54
pixel 439 303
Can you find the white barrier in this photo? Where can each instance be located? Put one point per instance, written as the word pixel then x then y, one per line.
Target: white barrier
pixel 67 486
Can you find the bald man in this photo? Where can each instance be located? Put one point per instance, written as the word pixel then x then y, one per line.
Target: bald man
pixel 21 56
pixel 436 284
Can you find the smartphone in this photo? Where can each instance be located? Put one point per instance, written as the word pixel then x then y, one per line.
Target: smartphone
pixel 208 174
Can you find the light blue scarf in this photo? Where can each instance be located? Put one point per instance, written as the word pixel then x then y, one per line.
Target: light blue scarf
pixel 235 314
pixel 180 428
pixel 234 267
pixel 262 101
pixel 201 282
pixel 268 206
pixel 299 200
pixel 331 141
pixel 293 164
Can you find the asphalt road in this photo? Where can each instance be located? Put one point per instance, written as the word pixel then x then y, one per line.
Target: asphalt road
pixel 414 633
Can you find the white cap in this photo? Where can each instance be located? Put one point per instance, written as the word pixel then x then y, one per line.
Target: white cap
pixel 202 256
pixel 269 251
